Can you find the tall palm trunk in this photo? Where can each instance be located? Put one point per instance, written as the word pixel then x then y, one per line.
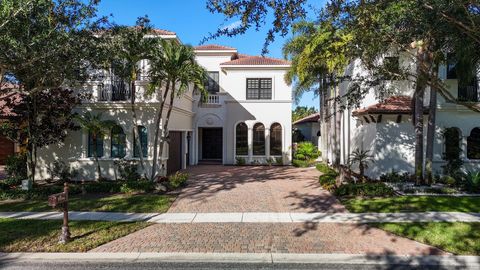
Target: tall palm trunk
pixel 337 127
pixel 167 119
pixel 136 136
pixel 157 131
pixel 95 154
pixel 418 135
pixel 432 112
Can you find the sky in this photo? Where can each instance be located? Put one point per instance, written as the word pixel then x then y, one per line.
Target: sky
pixel 191 20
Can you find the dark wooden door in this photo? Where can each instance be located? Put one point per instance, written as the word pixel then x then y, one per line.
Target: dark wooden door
pixel 174 162
pixel 212 143
pixel 7 148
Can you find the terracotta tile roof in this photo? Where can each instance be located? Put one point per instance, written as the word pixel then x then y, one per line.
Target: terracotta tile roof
pixel 256 60
pixel 214 47
pixel 392 105
pixel 163 32
pixel 311 118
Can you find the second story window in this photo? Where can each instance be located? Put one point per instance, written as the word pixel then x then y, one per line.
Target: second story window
pixel 213 86
pixel 260 88
pixel 451 66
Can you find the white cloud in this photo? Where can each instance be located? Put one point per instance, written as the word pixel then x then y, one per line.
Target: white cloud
pixel 233 25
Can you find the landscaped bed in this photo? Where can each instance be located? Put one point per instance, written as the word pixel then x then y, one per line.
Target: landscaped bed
pixel 132 203
pixel 413 204
pixel 458 238
pixel 42 235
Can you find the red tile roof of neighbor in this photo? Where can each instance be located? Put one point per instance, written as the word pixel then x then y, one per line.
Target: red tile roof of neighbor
pixel 214 47
pixel 311 118
pixel 391 105
pixel 163 32
pixel 256 60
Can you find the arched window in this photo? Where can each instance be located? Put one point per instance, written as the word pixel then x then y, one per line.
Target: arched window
pixel 142 132
pixel 241 145
pixel 92 142
pixel 258 139
pixel 473 144
pixel 119 143
pixel 452 143
pixel 275 139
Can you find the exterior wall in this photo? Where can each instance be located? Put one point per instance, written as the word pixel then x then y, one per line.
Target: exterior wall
pixel 74 150
pixel 233 108
pixel 310 131
pixel 393 144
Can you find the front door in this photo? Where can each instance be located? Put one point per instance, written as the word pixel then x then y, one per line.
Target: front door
pixel 212 142
pixel 174 162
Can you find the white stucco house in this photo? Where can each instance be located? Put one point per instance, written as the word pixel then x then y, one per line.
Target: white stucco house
pixel 384 126
pixel 247 115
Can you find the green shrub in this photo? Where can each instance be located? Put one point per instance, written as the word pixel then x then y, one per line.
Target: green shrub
pixel 300 163
pixel 448 180
pixel 240 161
pixel 103 187
pixel 4 187
pixel 279 160
pixel 38 192
pixel 62 171
pixel 16 166
pixel 328 179
pixel 13 181
pixel 306 151
pixel 177 180
pixel 324 168
pixel 137 186
pixel 128 170
pixel 395 177
pixel 364 189
pixel 270 161
pixel 472 181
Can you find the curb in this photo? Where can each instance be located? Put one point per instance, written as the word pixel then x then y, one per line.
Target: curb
pixel 470 262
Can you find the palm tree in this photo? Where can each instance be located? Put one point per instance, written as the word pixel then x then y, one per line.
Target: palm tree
pixel 174 67
pixel 129 47
pixel 363 158
pixel 97 128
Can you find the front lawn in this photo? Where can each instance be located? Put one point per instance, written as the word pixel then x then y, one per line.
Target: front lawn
pixel 42 235
pixel 413 204
pixel 458 238
pixel 132 203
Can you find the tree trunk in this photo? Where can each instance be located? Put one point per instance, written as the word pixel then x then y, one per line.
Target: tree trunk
pixel 167 119
pixel 95 154
pixel 432 111
pixel 338 119
pixel 135 129
pixel 157 131
pixel 419 136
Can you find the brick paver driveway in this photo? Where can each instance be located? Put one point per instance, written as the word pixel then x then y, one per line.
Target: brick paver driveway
pixel 254 189
pixel 261 189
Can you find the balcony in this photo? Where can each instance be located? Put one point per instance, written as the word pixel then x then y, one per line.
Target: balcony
pixel 114 90
pixel 469 93
pixel 212 99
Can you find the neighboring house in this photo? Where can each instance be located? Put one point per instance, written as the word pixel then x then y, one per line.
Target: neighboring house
pixel 309 128
pixel 247 114
pixel 385 126
pixel 7 147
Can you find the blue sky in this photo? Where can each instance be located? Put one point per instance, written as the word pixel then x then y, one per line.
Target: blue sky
pixel 191 20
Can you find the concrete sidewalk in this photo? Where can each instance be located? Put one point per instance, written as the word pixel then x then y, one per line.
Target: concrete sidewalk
pixel 249 217
pixel 463 262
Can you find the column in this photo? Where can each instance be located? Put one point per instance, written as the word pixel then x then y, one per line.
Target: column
pixel 463 146
pixel 250 144
pixel 267 142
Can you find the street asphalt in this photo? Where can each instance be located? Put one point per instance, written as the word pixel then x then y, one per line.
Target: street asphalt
pixel 202 266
